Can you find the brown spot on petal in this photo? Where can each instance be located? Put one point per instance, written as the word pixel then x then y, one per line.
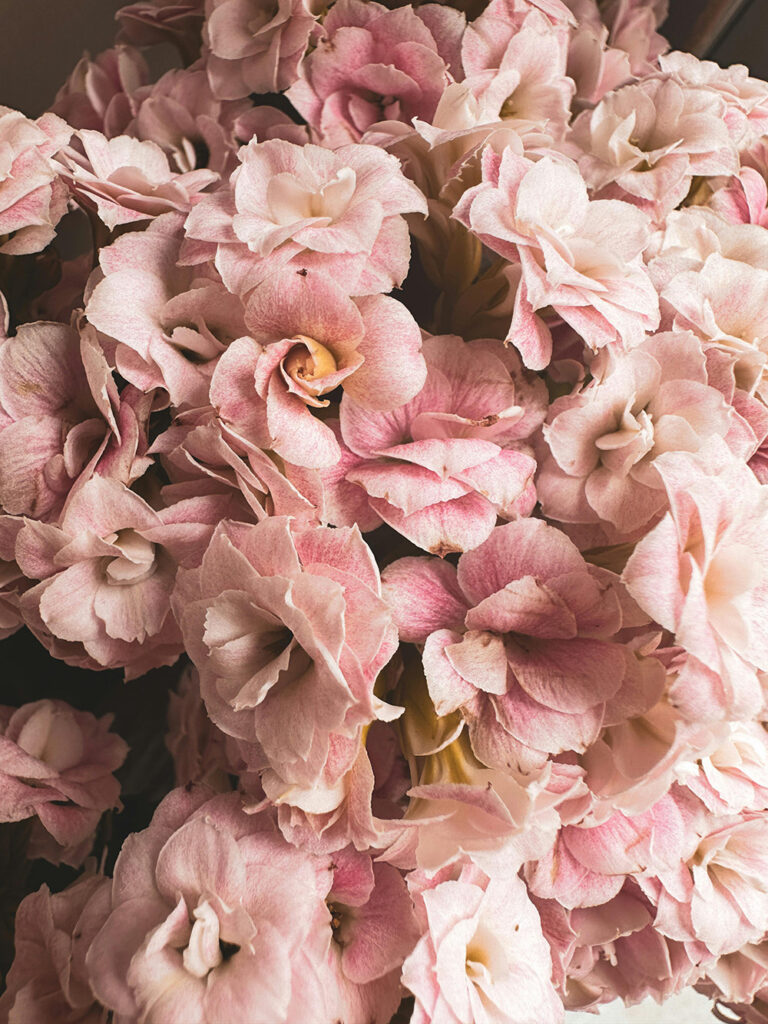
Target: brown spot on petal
pixel 442 549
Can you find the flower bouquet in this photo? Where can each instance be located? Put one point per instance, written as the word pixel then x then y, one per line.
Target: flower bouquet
pixel 383 461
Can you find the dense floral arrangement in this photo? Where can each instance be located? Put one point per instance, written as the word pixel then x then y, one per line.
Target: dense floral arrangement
pixel 385 389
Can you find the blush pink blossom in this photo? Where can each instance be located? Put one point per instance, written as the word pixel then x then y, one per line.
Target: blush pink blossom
pixel 292 629
pixel 164 21
pixel 374 929
pixel 521 639
pixel 698 260
pixel 176 321
pixel 214 917
pixel 645 142
pixel 605 438
pixel 198 447
pixel 704 301
pixel 125 180
pixel 500 818
pixel 197 746
pixel 254 46
pixel 701 572
pixel 441 468
pixel 581 257
pixel 743 199
pixel 33 197
pixel 371 64
pixel 48 978
pixel 98 94
pixel 119 557
pixel 524 80
pixel 739 978
pixel 335 212
pixel 61 419
pixel 635 761
pixel 595 67
pixel 587 864
pixel 746 98
pixel 12 579
pixel 306 339
pixel 613 951
pixel 57 765
pixel 191 125
pixel 482 955
pixel 633 25
pixel 362 808
pixel 337 809
pixel 488 37
pixel 731 775
pixel 718 895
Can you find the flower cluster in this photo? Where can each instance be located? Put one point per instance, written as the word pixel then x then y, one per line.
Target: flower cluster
pixel 408 406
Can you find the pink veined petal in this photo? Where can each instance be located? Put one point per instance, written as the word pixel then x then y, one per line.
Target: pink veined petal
pixel 567 675
pixel 528 547
pixel 447 688
pixel 424 596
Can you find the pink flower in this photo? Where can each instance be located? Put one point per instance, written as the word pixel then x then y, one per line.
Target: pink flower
pixel 99 93
pixel 267 607
pixel 33 198
pixel 702 574
pixel 200 453
pixel 361 808
pixel 613 950
pixel 746 98
pixel 731 774
pixel 336 810
pixel 521 639
pixel 119 557
pixel 57 766
pixel 633 25
pixel 48 978
pixel 191 125
pixel 489 38
pixel 581 257
pixel 374 929
pixel 164 21
pixel 127 181
pixel 515 65
pixel 372 64
pixel 588 863
pixel 254 46
pixel 704 301
pixel 743 199
pixel 595 67
pixel 718 896
pixel 179 320
pixel 648 140
pixel 214 917
pixel 307 338
pixel 604 439
pixel 197 746
pixel 442 467
pixel 482 955
pixel 61 419
pixel 12 580
pixel 500 818
pixel 336 212
pixel 635 761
